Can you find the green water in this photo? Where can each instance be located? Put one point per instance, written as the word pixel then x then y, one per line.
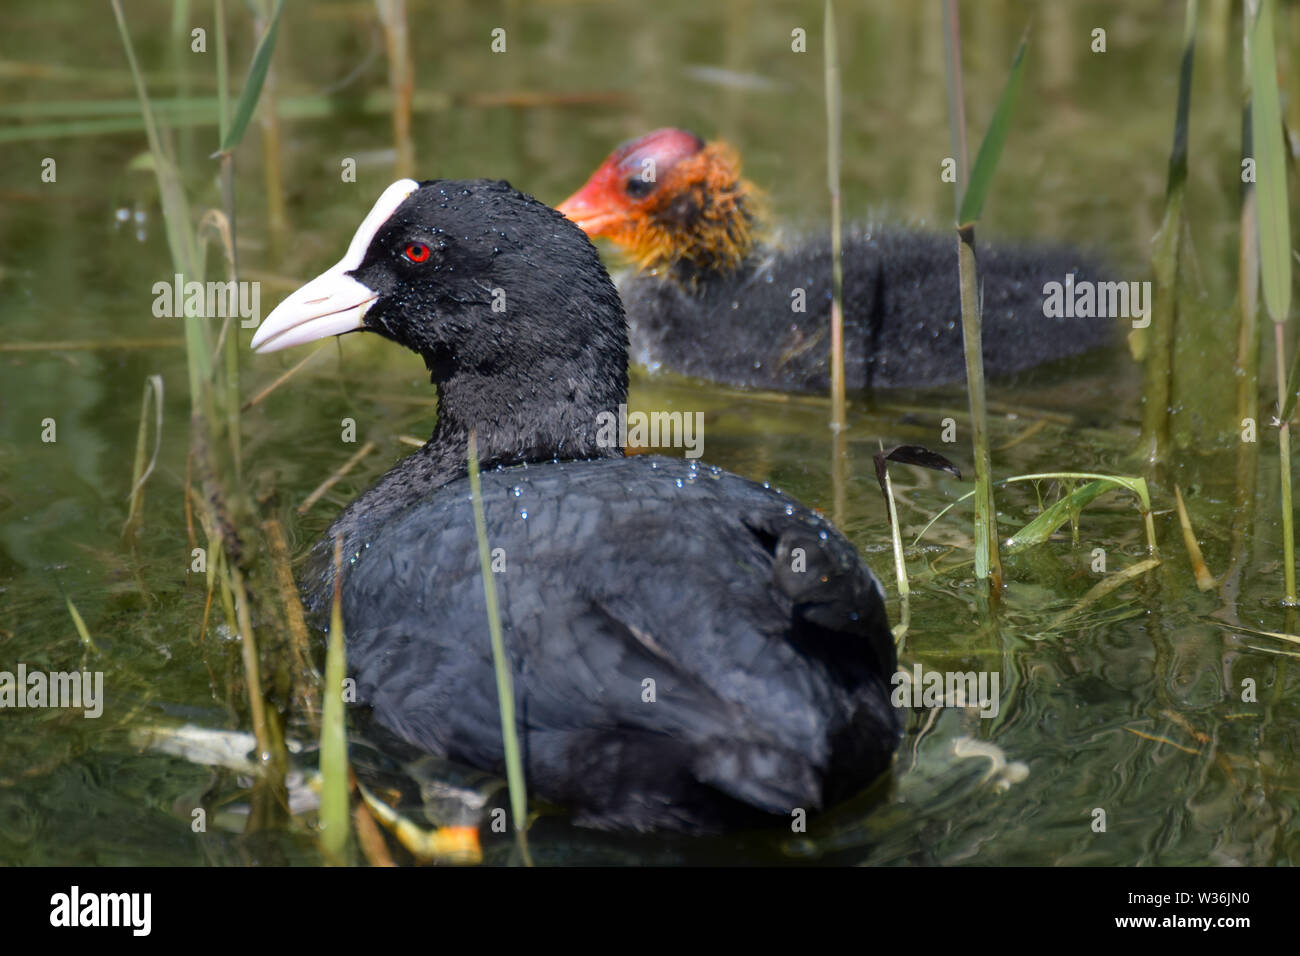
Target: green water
pixel 1132 705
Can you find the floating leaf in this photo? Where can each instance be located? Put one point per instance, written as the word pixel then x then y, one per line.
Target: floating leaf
pixel 911 455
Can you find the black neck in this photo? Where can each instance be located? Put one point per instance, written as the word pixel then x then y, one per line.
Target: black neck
pixel 525 419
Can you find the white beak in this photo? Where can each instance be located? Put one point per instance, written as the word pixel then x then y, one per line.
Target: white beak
pixel 333 302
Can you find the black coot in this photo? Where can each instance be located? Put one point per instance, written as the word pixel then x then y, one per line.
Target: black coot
pixel 713 298
pixel 690 650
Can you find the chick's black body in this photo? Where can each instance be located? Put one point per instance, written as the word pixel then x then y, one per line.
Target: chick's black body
pixel 902 314
pixel 690 650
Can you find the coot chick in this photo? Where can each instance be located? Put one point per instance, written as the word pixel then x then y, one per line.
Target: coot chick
pixel 711 299
pixel 690 650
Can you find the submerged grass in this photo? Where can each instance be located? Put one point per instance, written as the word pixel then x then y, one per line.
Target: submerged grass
pixel 153 389
pixel 1050 520
pixel 79 623
pixel 1204 579
pixel 1038 531
pixel 1065 508
pixel 1107 585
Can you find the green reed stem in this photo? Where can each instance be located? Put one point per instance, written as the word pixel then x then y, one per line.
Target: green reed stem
pixel 401 81
pixel 334 829
pixel 833 151
pixel 988 561
pixel 1274 225
pixel 505 681
pixel 1157 386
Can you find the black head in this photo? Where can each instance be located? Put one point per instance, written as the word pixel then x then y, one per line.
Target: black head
pixel 506 300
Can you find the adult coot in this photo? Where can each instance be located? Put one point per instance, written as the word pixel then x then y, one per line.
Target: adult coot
pixel 690 650
pixel 711 299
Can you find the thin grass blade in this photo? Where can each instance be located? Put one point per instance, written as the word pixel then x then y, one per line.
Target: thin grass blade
pixel 1056 514
pixel 505 682
pixel 252 90
pixel 986 160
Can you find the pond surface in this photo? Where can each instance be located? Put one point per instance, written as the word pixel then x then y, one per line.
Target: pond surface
pixel 1130 703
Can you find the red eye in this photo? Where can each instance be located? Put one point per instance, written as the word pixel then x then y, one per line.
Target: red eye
pixel 417 252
